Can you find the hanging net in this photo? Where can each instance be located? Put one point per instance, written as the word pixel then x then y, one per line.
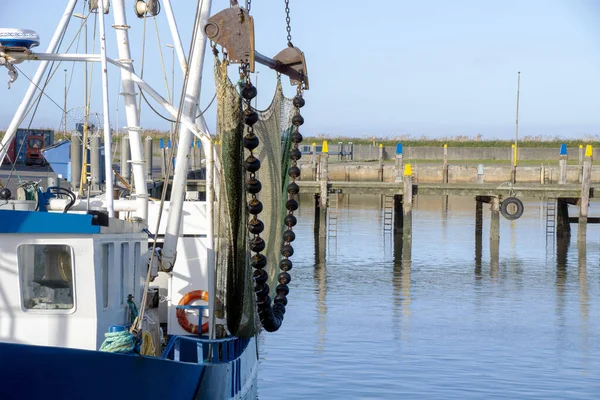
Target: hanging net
pixel 235 298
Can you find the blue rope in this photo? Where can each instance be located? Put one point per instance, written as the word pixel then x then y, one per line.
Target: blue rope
pixel 118 342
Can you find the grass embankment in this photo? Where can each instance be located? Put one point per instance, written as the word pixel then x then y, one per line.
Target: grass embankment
pixel 460 141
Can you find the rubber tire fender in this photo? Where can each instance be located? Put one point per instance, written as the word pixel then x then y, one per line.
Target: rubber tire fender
pixel 504 208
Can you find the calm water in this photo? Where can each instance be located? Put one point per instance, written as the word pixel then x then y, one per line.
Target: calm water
pixel 450 323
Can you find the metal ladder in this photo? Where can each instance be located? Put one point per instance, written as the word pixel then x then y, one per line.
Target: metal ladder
pixel 388 213
pixel 547 175
pixel 550 217
pixel 332 214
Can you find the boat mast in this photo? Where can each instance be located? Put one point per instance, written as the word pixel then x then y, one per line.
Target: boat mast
pixel 131 109
pixel 175 34
pixel 35 82
pixel 190 107
pixel 108 176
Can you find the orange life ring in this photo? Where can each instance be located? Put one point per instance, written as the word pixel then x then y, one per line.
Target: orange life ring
pixel 188 298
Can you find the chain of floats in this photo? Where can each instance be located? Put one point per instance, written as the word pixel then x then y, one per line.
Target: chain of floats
pixel 271 317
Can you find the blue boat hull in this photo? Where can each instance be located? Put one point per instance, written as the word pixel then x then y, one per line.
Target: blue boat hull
pixel 39 372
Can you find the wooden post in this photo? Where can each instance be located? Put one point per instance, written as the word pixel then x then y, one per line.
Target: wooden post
pixel 585 194
pixel 514 164
pixel 562 165
pixel 563 227
pixel 495 222
pixel 380 162
pixel 580 174
pixel 320 232
pixel 478 236
pixel 445 167
pixel 313 160
pixel 478 217
pixel 398 215
pixel 324 190
pixel 407 201
pixel 399 167
pixel 542 174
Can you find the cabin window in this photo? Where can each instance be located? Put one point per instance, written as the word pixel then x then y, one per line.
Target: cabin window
pixel 107 256
pixel 46 273
pixel 124 265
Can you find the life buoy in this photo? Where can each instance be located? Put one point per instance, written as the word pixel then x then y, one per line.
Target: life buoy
pixel 188 298
pixel 518 208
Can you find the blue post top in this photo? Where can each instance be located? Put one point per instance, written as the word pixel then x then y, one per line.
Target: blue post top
pixel 198 144
pixel 116 328
pixel 162 143
pixel 563 149
pixel 399 148
pixel 169 144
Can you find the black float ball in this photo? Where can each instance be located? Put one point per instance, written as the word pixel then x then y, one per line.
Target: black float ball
pixel 251 141
pixel 295 154
pixel 285 265
pixel 297 137
pixel 284 278
pixel 294 172
pixel 297 120
pixel 257 244
pixel 252 164
pixel 298 101
pixel 254 186
pixel 291 205
pixel 293 188
pixel 255 207
pixel 287 250
pixel 262 290
pixel 289 236
pixel 250 117
pixel 256 226
pixel 280 300
pixel 290 220
pixel 249 92
pixel 5 194
pixel 260 276
pixel 283 289
pixel 258 261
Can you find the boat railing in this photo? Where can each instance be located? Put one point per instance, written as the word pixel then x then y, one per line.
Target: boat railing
pixel 208 351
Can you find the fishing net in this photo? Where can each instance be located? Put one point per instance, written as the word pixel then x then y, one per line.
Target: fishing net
pixel 235 298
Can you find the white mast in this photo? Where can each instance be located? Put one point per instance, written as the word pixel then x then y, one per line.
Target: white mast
pixel 107 134
pixel 190 107
pixel 35 82
pixel 131 110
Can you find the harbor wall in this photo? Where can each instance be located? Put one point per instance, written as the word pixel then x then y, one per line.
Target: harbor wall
pixel 428 173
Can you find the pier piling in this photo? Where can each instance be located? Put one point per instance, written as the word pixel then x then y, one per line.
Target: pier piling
pixel 399 167
pixel 380 170
pixel 585 194
pixel 562 165
pixel 563 227
pixel 407 202
pixel 495 223
pixel 398 215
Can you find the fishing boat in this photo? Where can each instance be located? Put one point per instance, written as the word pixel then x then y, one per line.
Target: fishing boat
pixel 158 293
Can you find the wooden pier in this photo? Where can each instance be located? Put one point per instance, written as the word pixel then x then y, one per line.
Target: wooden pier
pixel 404 189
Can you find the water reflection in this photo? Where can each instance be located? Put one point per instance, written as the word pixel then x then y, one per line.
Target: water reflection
pixel 401 283
pixel 320 277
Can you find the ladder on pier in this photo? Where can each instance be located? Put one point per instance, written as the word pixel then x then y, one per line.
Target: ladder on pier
pixel 388 213
pixel 550 217
pixel 547 175
pixel 332 213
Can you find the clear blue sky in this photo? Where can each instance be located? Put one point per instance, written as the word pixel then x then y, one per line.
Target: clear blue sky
pixel 387 68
